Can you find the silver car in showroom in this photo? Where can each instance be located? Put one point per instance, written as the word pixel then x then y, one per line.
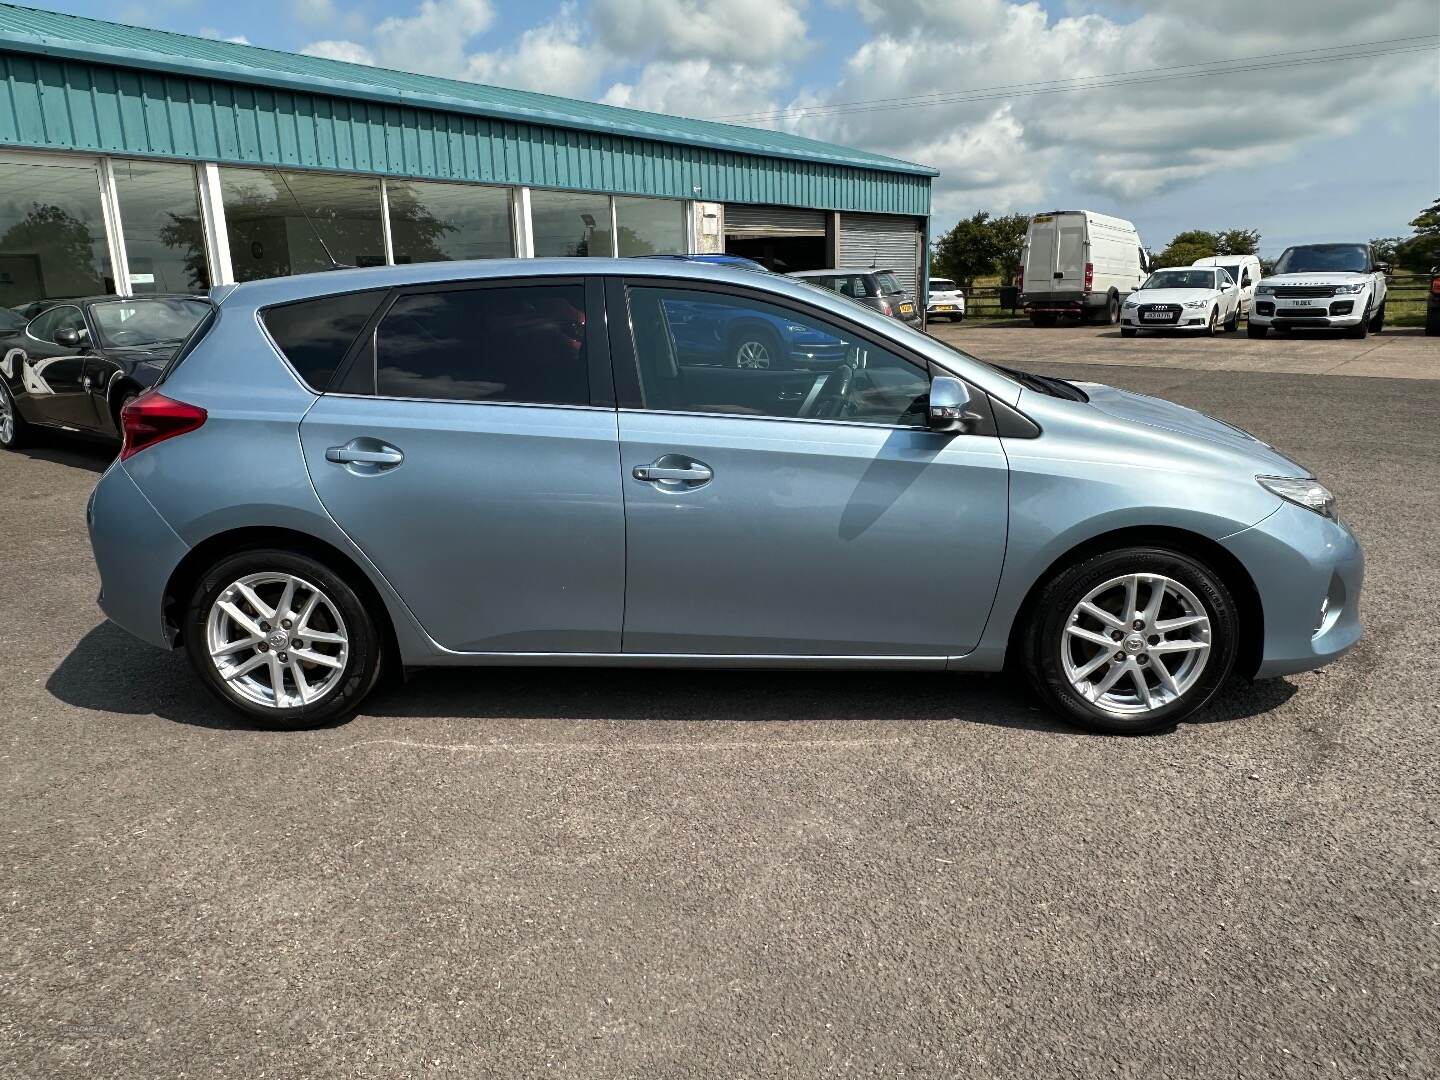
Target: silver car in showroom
pixel 551 462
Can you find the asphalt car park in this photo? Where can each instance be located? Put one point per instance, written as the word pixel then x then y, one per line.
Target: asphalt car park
pixel 610 873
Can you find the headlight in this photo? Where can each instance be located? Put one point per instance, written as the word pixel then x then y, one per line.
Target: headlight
pixel 1131 303
pixel 1348 290
pixel 793 329
pixel 1264 290
pixel 1310 494
pixel 1197 303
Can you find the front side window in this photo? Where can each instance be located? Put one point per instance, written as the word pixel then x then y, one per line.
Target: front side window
pixel 46 326
pixel 711 352
pixel 521 343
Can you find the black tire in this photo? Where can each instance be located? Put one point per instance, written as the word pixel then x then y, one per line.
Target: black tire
pixel 1210 326
pixel 1251 330
pixel 1128 331
pixel 364 651
pixel 1110 314
pixel 1045 637
pixel 1361 332
pixel 1432 326
pixel 755 336
pixel 125 398
pixel 21 434
pixel 1377 324
pixel 1233 323
pixel 957 318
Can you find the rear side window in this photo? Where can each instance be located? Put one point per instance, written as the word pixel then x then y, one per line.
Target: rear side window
pixel 887 285
pixel 523 343
pixel 315 335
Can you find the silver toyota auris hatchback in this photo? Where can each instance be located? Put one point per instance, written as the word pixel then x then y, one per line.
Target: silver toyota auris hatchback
pixel 567 463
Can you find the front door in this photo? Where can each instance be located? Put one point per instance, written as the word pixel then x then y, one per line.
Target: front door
pixel 478 476
pixel 800 509
pixel 53 376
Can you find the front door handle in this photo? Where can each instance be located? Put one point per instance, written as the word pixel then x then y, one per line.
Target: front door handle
pixel 674 470
pixel 366 455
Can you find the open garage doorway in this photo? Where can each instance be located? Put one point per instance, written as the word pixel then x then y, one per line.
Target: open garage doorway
pixel 781 238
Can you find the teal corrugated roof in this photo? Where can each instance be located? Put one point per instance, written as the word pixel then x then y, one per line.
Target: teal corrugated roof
pixel 51 33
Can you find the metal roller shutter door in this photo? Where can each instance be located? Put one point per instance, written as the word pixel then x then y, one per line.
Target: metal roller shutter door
pixel 883 241
pixel 773 221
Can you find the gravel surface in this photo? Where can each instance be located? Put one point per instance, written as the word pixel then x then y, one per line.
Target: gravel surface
pixel 600 874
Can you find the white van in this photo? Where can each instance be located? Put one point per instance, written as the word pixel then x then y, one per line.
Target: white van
pixel 1081 264
pixel 1245 269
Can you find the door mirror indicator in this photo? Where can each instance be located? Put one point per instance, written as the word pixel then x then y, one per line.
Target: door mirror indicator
pixel 950 405
pixel 67 337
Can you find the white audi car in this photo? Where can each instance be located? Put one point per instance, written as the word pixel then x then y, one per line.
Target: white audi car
pixel 1201 298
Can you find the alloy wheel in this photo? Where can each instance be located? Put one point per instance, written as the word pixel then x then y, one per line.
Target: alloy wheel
pixel 7 419
pixel 752 354
pixel 1127 658
pixel 277 640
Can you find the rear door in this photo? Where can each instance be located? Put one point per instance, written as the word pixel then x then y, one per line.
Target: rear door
pixel 1040 255
pixel 1070 260
pixel 474 459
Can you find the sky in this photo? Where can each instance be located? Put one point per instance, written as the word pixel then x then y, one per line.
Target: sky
pixel 1334 150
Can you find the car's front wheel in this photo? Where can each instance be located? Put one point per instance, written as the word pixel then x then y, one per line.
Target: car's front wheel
pixel 282 639
pixel 1233 323
pixel 1131 641
pixel 756 348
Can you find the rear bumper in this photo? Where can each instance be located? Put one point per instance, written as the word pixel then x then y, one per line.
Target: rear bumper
pixel 1302 565
pixel 135 552
pixel 1061 303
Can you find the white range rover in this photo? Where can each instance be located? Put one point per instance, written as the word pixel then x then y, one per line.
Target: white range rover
pixel 1336 286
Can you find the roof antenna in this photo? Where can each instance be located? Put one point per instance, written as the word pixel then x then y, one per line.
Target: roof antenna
pixel 334 265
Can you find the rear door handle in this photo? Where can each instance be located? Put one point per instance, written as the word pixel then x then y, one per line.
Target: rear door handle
pixel 371 455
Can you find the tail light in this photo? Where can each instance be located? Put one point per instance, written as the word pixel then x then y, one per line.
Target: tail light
pixel 152 418
pixel 1020 279
pixel 886 308
pixel 1435 285
pixel 1089 276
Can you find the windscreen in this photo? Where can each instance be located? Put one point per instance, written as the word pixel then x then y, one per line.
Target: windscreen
pixel 147 323
pixel 1325 259
pixel 940 284
pixel 887 284
pixel 1181 279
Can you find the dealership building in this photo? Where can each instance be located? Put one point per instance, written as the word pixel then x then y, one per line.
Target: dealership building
pixel 136 161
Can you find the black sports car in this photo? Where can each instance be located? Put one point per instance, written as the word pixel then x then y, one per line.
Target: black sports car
pixel 77 363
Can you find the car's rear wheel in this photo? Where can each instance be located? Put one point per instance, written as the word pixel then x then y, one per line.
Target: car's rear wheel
pixel 1110 313
pixel 1131 641
pixel 14 431
pixel 282 639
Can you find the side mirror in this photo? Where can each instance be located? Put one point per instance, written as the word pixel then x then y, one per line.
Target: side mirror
pixel 1383 268
pixel 67 337
pixel 950 405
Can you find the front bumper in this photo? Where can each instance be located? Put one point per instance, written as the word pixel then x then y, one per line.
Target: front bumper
pixel 1336 312
pixel 1189 319
pixel 135 552
pixel 1302 564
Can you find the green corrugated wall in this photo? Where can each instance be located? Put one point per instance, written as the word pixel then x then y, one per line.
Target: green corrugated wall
pixel 69 105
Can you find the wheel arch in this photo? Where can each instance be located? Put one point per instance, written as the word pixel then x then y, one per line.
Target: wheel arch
pixel 206 553
pixel 1231 571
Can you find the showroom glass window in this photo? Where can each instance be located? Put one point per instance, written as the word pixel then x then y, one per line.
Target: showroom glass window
pixel 164 234
pixel 570 223
pixel 440 222
pixel 720 353
pixel 276 221
pixel 650 226
pixel 52 233
pixel 517 343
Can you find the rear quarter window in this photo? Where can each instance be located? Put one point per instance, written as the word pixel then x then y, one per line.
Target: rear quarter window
pixel 314 335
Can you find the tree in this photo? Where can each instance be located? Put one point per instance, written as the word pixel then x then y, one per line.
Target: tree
pixel 1385 248
pixel 968 250
pixel 1008 234
pixel 1186 247
pixel 1421 252
pixel 1239 242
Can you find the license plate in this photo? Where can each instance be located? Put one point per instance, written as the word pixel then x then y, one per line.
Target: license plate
pixel 1159 316
pixel 907 309
pixel 944 307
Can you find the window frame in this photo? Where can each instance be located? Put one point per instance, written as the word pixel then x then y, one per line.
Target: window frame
pixel 357 373
pixel 629 389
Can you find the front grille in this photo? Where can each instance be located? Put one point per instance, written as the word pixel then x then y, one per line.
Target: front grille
pixel 1155 313
pixel 1304 292
pixel 1303 313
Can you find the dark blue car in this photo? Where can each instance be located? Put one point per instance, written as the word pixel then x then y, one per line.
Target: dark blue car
pixel 720 335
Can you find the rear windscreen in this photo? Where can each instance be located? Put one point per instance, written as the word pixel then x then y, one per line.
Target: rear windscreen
pixel 888 285
pixel 314 335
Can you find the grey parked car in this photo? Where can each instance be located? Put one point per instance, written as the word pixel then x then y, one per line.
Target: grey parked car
pixel 877 289
pixel 543 462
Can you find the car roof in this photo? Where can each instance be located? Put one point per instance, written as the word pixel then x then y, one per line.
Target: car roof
pixel 842 270
pixel 105 298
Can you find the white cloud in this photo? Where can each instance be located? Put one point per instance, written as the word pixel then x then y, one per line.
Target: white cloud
pixel 552 57
pixel 432 41
pixel 698 88
pixel 348 51
pixel 752 32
